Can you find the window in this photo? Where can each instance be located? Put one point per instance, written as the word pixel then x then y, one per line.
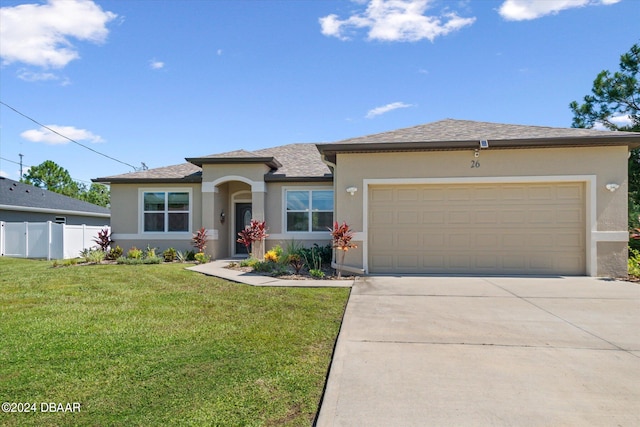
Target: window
pixel 166 211
pixel 309 210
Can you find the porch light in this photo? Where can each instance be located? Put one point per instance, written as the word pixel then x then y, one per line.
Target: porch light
pixel 612 186
pixel 352 190
pixel 222 217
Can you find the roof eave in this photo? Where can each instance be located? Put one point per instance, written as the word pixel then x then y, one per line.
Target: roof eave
pixel 329 151
pixel 284 178
pixel 108 180
pixel 272 162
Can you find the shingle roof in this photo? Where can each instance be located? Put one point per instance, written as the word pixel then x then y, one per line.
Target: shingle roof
pixel 184 172
pixel 467 130
pixel 289 162
pixel 298 161
pixel 450 134
pixel 14 193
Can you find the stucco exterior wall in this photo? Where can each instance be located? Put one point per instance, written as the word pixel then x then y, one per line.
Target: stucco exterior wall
pixel 607 164
pixel 125 217
pixel 275 215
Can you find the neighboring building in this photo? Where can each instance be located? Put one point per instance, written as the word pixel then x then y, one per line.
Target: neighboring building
pixel 21 202
pixel 433 198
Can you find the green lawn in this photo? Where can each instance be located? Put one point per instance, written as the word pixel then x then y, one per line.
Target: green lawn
pixel 152 345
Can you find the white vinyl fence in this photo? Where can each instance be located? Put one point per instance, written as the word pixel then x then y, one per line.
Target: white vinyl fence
pixel 46 239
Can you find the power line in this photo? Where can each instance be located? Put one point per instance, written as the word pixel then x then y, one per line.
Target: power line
pixel 66 137
pixel 28 166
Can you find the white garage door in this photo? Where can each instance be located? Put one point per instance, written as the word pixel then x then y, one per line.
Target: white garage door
pixel 481 228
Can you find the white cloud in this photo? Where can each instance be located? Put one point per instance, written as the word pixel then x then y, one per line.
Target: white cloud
pixel 39 34
pixel 156 65
pixel 621 121
pixel 395 20
pixel 3 173
pixel 386 108
pixel 522 10
pixel 48 137
pixel 31 76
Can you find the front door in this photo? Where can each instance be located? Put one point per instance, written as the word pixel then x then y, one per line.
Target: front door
pixel 243 218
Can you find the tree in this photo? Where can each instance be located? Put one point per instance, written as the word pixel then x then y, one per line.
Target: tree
pixel 98 194
pixel 53 177
pixel 615 104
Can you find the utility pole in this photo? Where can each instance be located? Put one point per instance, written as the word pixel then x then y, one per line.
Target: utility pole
pixel 21 165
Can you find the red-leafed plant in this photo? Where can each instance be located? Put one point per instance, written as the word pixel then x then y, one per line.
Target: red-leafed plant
pixel 200 240
pixel 256 231
pixel 103 240
pixel 341 236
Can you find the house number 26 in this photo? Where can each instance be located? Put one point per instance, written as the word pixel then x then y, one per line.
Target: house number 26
pixel 475 164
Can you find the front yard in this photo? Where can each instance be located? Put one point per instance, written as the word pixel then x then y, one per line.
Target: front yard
pixel 159 345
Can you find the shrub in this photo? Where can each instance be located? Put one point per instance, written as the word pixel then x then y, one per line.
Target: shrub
pixel 256 231
pixel 249 262
pixel 190 255
pixel 263 267
pixel 134 253
pixel 316 274
pixel 324 253
pixel 152 260
pixel 295 261
pixel 95 256
pixel 129 261
pixel 633 263
pixel 149 252
pixel 115 253
pixel 103 240
pixel 202 258
pixel 169 255
pixel 181 256
pixel 200 239
pixel 341 236
pixel 271 256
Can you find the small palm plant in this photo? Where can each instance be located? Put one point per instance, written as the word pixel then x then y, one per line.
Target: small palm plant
pixel 341 236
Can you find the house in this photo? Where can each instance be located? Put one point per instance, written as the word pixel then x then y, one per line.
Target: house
pixel 452 196
pixel 21 202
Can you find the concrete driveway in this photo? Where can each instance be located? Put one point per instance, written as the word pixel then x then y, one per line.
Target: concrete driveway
pixel 465 351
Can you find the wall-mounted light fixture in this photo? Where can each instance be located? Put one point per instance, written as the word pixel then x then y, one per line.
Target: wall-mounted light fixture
pixel 222 217
pixel 612 186
pixel 484 143
pixel 352 190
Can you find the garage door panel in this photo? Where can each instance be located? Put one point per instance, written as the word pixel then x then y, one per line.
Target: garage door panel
pixel 408 217
pixel 459 217
pixel 486 216
pixel 434 218
pixel 381 217
pixel 489 228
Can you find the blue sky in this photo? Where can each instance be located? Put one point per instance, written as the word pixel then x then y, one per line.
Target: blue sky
pixel 157 81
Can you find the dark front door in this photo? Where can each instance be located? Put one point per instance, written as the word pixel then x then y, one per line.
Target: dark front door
pixel 243 218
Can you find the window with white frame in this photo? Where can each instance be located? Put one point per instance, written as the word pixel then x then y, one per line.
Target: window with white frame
pixel 309 210
pixel 166 211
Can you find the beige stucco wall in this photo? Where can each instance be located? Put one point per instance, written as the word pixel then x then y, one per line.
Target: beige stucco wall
pixel 608 164
pixel 252 171
pixel 275 210
pixel 125 205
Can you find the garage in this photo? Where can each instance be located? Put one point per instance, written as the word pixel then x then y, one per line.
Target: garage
pixel 485 228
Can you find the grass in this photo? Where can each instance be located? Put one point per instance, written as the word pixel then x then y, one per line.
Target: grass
pixel 158 345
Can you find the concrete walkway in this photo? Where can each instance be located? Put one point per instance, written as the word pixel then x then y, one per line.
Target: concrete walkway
pixel 217 269
pixel 500 351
